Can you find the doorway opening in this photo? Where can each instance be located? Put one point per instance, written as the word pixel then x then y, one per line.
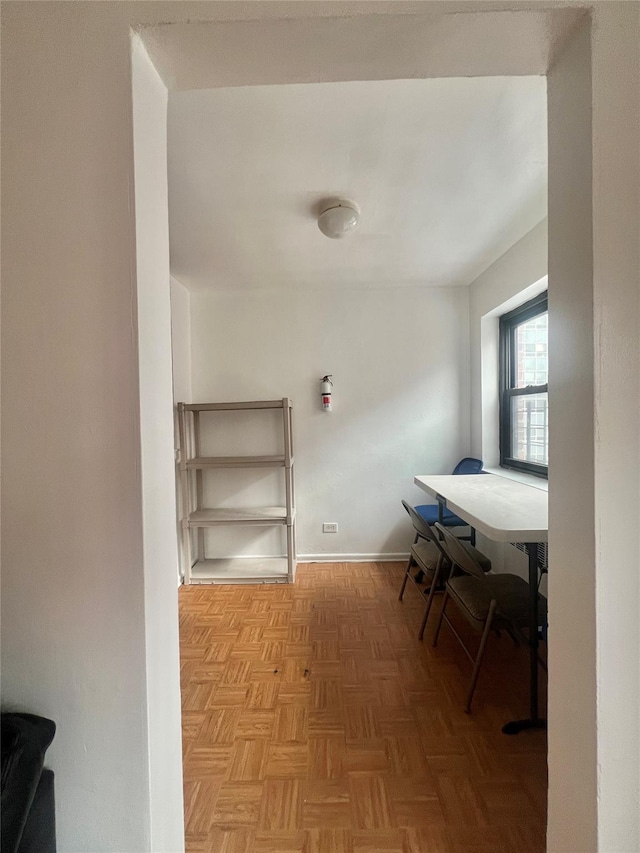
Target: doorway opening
pixel 464 390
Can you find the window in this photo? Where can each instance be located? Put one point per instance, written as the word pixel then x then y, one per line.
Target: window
pixel 524 401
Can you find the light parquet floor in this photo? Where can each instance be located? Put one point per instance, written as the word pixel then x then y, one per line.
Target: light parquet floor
pixel 314 721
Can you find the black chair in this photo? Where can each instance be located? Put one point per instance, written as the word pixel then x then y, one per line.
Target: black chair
pixel 486 601
pixel 27 805
pixel 428 554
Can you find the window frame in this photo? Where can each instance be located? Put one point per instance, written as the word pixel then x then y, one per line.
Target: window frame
pixel 508 324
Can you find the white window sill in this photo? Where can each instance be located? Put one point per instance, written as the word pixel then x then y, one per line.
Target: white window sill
pixel 520 477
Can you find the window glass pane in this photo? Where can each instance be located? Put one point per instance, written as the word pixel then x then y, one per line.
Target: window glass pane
pixel 531 352
pixel 530 428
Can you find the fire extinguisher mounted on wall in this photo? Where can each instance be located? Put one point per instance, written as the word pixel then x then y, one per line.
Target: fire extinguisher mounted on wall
pixel 325 391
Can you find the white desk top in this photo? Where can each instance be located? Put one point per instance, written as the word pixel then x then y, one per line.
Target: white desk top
pixel 501 509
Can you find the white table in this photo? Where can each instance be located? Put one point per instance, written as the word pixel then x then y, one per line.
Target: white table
pixel 506 511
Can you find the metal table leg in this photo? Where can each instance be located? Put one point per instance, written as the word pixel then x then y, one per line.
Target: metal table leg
pixel 534 721
pixel 442 503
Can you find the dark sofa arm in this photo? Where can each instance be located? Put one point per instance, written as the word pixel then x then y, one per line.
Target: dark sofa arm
pixel 25 739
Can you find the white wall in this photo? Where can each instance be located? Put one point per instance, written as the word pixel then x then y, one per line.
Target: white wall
pixel 572 579
pixel 516 274
pixel 73 610
pixel 157 462
pixel 400 363
pixel 594 404
pixel 181 341
pixel 616 271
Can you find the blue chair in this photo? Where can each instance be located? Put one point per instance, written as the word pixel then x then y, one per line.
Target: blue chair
pixel 431 512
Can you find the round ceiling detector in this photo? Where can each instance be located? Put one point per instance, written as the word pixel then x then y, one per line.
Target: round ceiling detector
pixel 338 218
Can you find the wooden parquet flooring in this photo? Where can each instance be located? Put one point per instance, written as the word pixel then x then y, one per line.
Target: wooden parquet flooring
pixel 314 721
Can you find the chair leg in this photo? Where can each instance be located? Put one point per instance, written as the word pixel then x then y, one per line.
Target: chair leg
pixel 432 590
pixel 480 655
pixel 445 598
pixel 406 577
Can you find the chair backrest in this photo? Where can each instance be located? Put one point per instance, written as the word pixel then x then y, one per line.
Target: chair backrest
pixel 458 554
pixel 468 465
pixel 422 528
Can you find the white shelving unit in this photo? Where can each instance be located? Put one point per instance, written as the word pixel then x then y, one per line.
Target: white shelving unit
pixel 198 517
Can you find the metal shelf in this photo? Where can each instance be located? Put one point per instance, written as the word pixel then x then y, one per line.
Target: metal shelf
pixel 261 515
pixel 241 570
pixel 235 462
pixel 233 407
pixel 195 516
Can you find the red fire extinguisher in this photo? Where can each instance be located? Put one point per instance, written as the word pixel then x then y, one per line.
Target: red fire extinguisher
pixel 325 391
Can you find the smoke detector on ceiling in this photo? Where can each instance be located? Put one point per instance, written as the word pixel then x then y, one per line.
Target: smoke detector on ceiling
pixel 338 218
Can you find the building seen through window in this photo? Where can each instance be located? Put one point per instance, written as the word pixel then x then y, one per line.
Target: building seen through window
pixel 530 420
pixel 524 434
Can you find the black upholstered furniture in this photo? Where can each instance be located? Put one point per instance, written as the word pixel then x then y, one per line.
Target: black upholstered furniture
pixel 26 801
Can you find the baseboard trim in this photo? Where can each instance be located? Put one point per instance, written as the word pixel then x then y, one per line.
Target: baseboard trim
pixel 352 558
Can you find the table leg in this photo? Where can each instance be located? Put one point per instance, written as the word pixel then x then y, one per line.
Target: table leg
pixel 441 507
pixel 534 721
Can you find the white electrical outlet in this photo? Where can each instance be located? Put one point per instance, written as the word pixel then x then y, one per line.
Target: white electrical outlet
pixel 329 527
